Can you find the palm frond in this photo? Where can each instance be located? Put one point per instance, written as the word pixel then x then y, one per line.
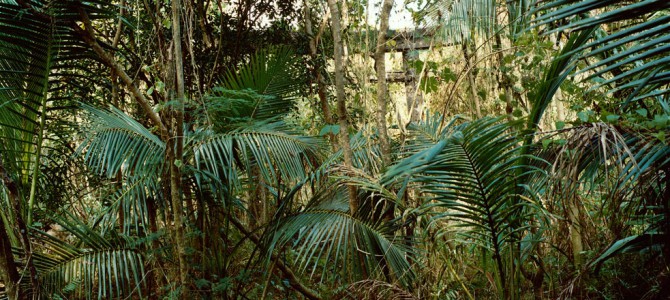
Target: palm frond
pixel 647 242
pixel 600 146
pixel 271 72
pixel 366 153
pixel 429 130
pixel 37 45
pixel 37 80
pixel 131 199
pixel 229 109
pixel 116 142
pixel 474 179
pixel 559 70
pixel 96 268
pixel 28 47
pixel 325 232
pixel 634 53
pixel 273 148
pixel 458 20
pixel 649 154
pixel 644 179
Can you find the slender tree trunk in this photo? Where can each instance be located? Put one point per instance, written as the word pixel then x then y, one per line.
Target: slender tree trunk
pixel 8 273
pixel 176 158
pixel 201 11
pixel 190 38
pixel 7 261
pixel 116 101
pixel 121 212
pixel 413 96
pixel 471 79
pixel 575 233
pixel 154 279
pixel 503 80
pixel 344 25
pixel 382 89
pixel 321 84
pixel 341 102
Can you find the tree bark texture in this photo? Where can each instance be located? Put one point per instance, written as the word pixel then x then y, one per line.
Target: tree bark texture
pixel 503 80
pixel 413 96
pixel 341 98
pixel 8 273
pixel 7 264
pixel 382 88
pixel 175 153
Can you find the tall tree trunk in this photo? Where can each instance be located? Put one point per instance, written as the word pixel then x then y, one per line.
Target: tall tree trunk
pixel 154 280
pixel 382 89
pixel 341 102
pixel 344 25
pixel 175 152
pixel 116 101
pixel 575 232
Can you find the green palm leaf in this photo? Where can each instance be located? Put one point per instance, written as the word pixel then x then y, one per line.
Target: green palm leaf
pixel 37 47
pixel 108 268
pixel 643 182
pixel 473 179
pixel 460 20
pixel 635 54
pixel 273 148
pixel 116 142
pixel 325 232
pixel 559 70
pixel 131 199
pixel 271 72
pixel 457 20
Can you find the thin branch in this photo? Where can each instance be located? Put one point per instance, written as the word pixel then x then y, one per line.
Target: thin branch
pixel 89 37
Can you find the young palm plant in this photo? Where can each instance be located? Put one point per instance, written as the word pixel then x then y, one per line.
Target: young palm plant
pixel 477 181
pixel 338 246
pixel 236 145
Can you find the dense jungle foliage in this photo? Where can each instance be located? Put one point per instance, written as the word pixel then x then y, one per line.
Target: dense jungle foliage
pixel 280 149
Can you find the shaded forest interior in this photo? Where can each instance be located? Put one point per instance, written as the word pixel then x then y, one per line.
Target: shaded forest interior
pixel 324 149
